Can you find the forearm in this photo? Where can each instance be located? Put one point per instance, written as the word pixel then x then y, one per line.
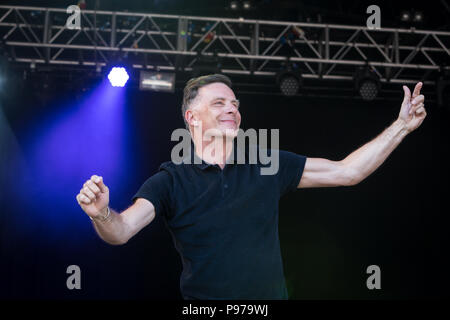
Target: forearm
pixel 113 230
pixel 370 156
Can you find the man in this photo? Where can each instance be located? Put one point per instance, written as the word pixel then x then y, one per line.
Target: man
pixel 223 216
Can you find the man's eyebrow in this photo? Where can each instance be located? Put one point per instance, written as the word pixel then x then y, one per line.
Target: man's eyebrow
pixel 221 98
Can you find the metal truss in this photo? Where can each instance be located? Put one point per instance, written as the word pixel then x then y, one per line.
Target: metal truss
pixel 37 35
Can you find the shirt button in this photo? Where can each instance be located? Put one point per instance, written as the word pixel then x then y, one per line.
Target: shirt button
pixel 226 186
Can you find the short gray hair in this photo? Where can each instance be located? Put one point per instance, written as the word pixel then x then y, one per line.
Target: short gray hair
pixel 193 85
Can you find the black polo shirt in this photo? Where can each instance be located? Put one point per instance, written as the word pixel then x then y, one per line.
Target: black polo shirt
pixel 224 224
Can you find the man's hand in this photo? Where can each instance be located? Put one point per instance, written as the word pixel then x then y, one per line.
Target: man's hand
pixel 412 112
pixel 94 197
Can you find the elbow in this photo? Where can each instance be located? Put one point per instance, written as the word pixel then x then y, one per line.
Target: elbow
pixel 353 182
pixel 352 177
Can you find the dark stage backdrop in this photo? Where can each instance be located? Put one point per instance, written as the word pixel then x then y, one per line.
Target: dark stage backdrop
pixel 397 218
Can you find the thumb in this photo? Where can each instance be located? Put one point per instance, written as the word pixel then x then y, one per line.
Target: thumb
pixel 101 185
pixel 407 96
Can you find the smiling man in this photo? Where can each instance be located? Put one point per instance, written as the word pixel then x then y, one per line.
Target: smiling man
pixel 223 215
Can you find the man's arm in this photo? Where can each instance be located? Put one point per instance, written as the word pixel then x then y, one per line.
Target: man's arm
pixel 361 163
pixel 113 228
pixel 119 228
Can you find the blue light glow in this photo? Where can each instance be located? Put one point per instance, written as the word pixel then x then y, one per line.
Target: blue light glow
pixel 63 148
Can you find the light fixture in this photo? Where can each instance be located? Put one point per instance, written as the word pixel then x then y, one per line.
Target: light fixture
pixel 118 76
pixel 367 83
pixel 234 5
pixel 405 16
pixel 246 5
pixel 157 81
pixel 418 16
pixel 412 16
pixel 289 80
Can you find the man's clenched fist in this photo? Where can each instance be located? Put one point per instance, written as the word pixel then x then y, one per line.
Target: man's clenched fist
pixel 94 197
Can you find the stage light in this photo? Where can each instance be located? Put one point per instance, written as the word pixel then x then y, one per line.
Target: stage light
pixel 246 5
pixel 418 16
pixel 367 84
pixel 234 5
pixel 405 16
pixel 118 76
pixel 368 89
pixel 290 82
pixel 157 81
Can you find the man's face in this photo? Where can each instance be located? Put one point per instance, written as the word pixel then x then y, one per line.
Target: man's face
pixel 217 108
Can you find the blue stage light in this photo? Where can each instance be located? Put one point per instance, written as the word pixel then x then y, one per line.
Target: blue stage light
pixel 118 77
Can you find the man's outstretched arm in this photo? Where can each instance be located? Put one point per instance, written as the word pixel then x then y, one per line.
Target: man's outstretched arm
pixel 357 166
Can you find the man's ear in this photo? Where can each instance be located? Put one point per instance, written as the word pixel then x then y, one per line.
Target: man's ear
pixel 190 118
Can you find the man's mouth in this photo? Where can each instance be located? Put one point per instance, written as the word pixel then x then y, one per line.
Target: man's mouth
pixel 229 121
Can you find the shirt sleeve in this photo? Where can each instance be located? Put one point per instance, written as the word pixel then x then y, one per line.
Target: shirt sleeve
pixel 158 190
pixel 290 171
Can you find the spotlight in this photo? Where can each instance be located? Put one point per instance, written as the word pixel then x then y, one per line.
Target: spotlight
pixel 290 82
pixel 118 76
pixel 234 5
pixel 246 5
pixel 418 16
pixel 367 84
pixel 405 16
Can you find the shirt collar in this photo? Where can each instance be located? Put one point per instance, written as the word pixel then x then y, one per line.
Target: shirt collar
pixel 201 164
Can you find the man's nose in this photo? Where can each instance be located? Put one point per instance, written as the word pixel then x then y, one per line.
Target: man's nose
pixel 231 108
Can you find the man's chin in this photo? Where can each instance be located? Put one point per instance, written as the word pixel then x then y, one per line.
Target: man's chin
pixel 222 132
pixel 230 132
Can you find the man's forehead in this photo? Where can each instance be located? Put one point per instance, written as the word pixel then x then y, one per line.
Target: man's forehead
pixel 217 90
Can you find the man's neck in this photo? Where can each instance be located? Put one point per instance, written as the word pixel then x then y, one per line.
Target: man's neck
pixel 215 151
